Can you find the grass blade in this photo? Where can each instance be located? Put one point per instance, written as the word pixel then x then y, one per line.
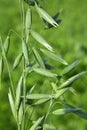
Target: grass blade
pixel 44 72
pixel 52 56
pixel 41 40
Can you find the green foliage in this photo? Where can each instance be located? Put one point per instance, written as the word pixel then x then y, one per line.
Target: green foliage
pixel 21 99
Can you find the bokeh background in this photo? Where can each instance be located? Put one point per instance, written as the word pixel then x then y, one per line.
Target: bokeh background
pixel 69 41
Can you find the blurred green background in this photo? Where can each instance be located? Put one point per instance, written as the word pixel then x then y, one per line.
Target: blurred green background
pixel 69 40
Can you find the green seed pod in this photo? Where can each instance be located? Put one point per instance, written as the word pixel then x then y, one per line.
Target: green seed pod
pixel 6 44
pixel 18 93
pixel 28 23
pixel 12 104
pixel 20 114
pixel 25 50
pixel 17 60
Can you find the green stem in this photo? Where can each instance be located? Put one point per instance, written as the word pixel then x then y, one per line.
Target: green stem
pixel 12 87
pixel 23 21
pixel 24 99
pixel 9 73
pixel 24 78
pixel 19 127
pixel 0 82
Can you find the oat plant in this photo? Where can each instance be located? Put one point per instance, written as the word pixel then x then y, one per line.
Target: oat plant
pixel 26 100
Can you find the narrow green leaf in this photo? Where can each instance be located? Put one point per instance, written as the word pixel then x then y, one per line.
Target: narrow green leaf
pixel 12 104
pixel 71 80
pixel 6 44
pixel 20 115
pixel 53 56
pixel 25 49
pixel 70 67
pixel 17 60
pixel 43 14
pixel 39 96
pixel 18 93
pixel 28 23
pixel 36 124
pixel 44 72
pixel 38 58
pixel 65 111
pixel 41 40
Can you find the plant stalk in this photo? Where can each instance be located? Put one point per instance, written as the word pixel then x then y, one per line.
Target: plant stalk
pixel 24 65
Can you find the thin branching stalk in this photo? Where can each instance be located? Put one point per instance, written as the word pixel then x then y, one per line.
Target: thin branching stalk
pixel 24 94
pixel 24 78
pixel 10 77
pixel 22 100
pixel 9 73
